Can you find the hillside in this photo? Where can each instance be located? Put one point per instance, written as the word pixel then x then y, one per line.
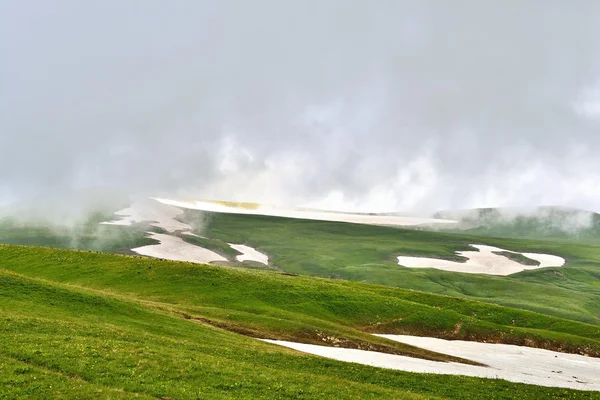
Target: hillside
pixel 306 282
pixel 80 324
pixel 359 253
pixel 367 253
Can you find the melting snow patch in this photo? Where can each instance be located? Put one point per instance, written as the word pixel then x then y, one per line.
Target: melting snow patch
pixel 483 261
pixel 249 253
pixel 512 363
pixel 174 248
pixel 160 215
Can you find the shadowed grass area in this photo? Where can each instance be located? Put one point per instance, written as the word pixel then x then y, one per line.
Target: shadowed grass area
pixel 112 329
pixel 216 245
pixel 520 258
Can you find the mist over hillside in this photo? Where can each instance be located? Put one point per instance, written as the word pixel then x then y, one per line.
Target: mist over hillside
pixel 539 222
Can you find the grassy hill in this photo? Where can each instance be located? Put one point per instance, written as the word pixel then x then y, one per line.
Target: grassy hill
pixel 367 254
pixel 88 325
pixel 85 324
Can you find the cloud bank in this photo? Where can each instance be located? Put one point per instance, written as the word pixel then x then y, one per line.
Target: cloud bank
pixel 387 106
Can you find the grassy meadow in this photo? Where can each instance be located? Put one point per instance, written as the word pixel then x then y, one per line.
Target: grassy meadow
pixel 88 325
pixel 367 254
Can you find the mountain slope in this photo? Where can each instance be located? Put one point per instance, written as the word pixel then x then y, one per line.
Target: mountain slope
pixel 106 326
pixel 361 253
pixel 367 253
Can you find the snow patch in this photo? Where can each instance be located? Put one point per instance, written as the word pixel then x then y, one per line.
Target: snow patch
pixel 483 261
pixel 249 254
pixel 512 363
pixel 160 216
pixel 175 248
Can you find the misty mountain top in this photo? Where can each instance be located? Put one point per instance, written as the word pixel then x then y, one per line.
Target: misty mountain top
pixel 548 221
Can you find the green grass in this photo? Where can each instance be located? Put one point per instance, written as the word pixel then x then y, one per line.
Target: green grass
pixel 555 308
pixel 277 306
pixel 520 258
pixel 92 325
pixel 89 325
pixel 87 345
pixel 367 254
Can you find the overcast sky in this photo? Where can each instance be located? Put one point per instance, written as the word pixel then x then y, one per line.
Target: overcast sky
pixel 378 105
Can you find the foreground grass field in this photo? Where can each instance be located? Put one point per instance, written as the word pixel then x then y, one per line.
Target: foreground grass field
pixel 80 324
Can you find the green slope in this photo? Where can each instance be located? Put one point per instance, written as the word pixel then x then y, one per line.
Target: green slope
pixel 279 306
pixel 63 342
pixel 87 325
pixel 367 253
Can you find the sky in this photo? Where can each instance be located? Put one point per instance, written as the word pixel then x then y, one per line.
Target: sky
pixel 385 105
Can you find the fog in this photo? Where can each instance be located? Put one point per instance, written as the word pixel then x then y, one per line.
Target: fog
pixel 389 106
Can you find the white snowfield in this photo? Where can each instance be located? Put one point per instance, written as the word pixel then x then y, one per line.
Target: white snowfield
pixel 175 248
pixel 512 363
pixel 391 220
pixel 249 254
pixel 483 261
pixel 172 247
pixel 161 215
